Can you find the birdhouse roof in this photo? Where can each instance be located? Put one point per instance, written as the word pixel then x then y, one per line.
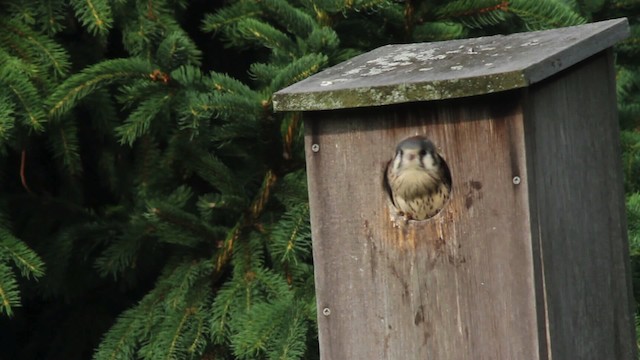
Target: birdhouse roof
pixel 449 69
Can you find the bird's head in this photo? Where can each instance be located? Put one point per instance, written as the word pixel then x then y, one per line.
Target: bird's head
pixel 416 153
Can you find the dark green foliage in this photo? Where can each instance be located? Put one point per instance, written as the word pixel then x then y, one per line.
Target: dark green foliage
pixel 141 161
pixel 16 253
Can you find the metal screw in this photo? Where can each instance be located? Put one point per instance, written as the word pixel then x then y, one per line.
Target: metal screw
pixel 315 147
pixel 326 311
pixel 516 180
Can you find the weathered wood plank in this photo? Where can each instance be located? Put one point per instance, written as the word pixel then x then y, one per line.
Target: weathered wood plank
pixel 458 286
pixel 578 215
pixel 439 70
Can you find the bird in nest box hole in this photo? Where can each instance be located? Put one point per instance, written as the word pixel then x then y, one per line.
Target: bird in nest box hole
pixel 417 179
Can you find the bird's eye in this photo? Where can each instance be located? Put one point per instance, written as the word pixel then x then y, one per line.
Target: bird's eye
pixel 423 152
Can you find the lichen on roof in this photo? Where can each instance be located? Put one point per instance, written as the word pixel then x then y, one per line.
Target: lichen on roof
pixel 450 69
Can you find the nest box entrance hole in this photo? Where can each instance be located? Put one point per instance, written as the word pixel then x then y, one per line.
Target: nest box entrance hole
pixel 417 180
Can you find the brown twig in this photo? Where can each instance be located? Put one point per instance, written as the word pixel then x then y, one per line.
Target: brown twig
pixel 256 208
pixel 23 178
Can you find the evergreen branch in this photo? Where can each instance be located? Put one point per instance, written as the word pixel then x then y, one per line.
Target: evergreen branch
pixel 296 21
pixel 189 77
pixel 148 157
pixel 147 319
pixel 227 245
pixel 438 31
pixel 120 341
pixel 475 14
pixel 174 222
pixel 60 251
pixel 264 72
pixel 223 307
pixel 134 92
pixel 322 40
pixel 623 4
pixel 22 12
pixel 630 141
pixel 121 254
pixel 25 259
pixel 633 214
pixel 131 327
pixel 260 202
pixel 290 133
pixel 95 77
pixel 33 47
pixel 7 118
pixel 166 343
pixel 226 84
pixel 204 106
pixel 296 223
pixel 207 203
pixel 297 70
pixel 139 121
pixel 276 328
pixel 629 112
pixel 263 34
pixel 9 294
pixel 256 208
pixel 464 8
pixel 587 8
pixel 322 7
pixel 14 76
pixel 52 13
pixel 292 191
pixel 218 174
pixel 12 64
pixel 34 116
pixel 252 338
pixel 536 14
pixel 230 15
pixel 188 312
pixel 173 333
pixel 272 285
pixel 626 81
pixel 94 14
pixel 182 281
pixel 176 50
pixel 105 115
pixel 289 343
pixel 630 46
pixel 198 340
pixel 138 35
pixel 637 328
pixel 200 107
pixel 367 5
pixel 64 141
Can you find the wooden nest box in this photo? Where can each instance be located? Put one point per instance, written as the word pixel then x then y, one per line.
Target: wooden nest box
pixel 528 259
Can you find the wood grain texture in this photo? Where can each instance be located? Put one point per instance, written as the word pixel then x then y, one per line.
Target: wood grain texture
pixel 457 286
pixel 578 217
pixel 402 73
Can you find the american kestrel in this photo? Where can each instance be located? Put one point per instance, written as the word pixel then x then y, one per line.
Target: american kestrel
pixel 417 179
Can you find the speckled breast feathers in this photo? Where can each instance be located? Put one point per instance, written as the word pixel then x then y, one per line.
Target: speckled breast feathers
pixel 417 179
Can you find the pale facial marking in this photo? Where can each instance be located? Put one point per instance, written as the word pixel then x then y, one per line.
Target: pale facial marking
pixel 416 179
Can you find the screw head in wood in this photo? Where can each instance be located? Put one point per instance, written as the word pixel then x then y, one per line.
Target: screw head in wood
pixel 326 311
pixel 516 180
pixel 315 147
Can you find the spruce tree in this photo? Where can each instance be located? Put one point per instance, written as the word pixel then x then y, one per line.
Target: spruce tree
pixel 153 206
